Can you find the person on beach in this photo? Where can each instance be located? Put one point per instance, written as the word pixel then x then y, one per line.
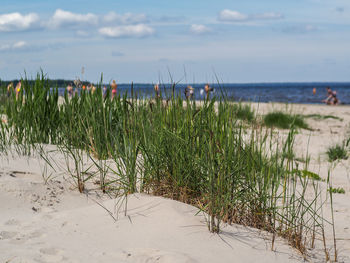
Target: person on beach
pixel 93 89
pixel 114 89
pixel 207 90
pixel 329 96
pixel 335 100
pixel 70 90
pixel 156 90
pixel 18 88
pixel 189 92
pixel 9 89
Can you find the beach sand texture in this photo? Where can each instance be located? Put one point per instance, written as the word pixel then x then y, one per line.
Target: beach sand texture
pixel 52 222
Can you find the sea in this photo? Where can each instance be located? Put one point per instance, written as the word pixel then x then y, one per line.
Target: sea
pixel 257 92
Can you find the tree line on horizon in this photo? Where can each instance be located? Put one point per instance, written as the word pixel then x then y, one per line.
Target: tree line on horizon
pixel 52 82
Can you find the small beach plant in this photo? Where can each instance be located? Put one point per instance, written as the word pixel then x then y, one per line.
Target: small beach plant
pixel 243 112
pixel 338 190
pixel 337 152
pixel 322 117
pixel 284 120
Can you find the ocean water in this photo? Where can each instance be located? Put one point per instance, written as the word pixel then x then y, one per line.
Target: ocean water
pixel 260 92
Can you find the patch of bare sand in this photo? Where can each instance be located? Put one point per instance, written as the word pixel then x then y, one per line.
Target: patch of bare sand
pixel 54 223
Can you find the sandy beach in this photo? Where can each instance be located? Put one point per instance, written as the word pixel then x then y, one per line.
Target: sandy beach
pixel 45 219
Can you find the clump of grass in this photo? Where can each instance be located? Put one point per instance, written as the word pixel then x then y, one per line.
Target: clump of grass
pixel 338 190
pixel 197 155
pixel 243 112
pixel 308 174
pixel 3 97
pixel 284 120
pixel 337 152
pixel 303 159
pixel 321 117
pixel 289 155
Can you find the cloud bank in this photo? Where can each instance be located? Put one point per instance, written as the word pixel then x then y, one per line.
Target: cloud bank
pixel 63 18
pixel 18 22
pixel 227 15
pixel 300 29
pixel 139 30
pixel 199 29
pixel 125 19
pixel 14 46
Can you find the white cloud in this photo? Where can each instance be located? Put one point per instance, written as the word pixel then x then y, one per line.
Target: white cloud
pixel 23 47
pixel 300 29
pixel 14 46
pixel 139 30
pixel 267 16
pixel 227 15
pixel 18 22
pixel 63 18
pixel 231 16
pixel 199 29
pixel 19 44
pixel 125 19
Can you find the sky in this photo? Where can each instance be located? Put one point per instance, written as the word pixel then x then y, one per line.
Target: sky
pixel 185 41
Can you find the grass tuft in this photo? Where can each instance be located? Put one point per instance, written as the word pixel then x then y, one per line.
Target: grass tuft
pixel 337 152
pixel 284 120
pixel 338 190
pixel 308 174
pixel 243 112
pixel 322 117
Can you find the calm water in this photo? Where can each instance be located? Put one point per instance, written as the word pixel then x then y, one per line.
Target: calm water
pixel 271 92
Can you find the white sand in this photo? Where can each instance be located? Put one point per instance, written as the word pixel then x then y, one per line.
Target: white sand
pixel 54 223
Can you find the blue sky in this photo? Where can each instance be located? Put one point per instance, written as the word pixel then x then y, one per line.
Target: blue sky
pixel 140 41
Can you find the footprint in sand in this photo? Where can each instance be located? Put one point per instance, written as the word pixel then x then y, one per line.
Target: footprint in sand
pixel 157 256
pixel 7 235
pixel 35 234
pixel 12 222
pixel 50 255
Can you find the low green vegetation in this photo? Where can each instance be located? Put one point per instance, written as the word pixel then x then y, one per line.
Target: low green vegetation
pixel 303 159
pixel 284 120
pixel 322 117
pixel 199 155
pixel 338 190
pixel 243 112
pixel 3 99
pixel 337 152
pixel 308 174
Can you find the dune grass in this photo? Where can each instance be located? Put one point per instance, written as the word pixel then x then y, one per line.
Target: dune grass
pixel 338 190
pixel 243 112
pixel 199 155
pixel 309 174
pixel 321 117
pixel 337 152
pixel 3 99
pixel 284 120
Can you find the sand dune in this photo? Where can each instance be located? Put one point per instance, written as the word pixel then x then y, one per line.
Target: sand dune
pixel 52 222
